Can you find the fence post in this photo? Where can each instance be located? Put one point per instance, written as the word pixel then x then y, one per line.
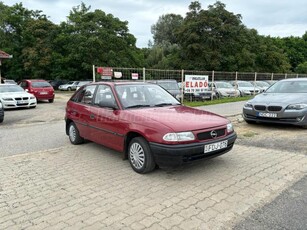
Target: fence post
pixel 285 75
pixel 94 77
pixel 144 73
pixel 182 85
pixel 255 79
pixel 272 76
pixel 297 75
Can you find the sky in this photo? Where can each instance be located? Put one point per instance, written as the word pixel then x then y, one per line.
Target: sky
pixel 277 18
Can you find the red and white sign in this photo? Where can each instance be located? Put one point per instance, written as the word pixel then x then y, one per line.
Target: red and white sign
pixel 105 71
pixel 135 76
pixel 195 83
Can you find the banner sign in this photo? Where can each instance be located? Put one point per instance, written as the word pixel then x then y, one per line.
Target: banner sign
pixel 196 83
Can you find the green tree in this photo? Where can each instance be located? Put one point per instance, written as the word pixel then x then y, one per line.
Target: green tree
pixel 164 30
pixel 94 38
pixel 302 68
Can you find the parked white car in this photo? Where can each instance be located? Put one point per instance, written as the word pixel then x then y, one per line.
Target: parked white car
pixel 224 89
pixel 71 85
pixel 246 88
pixel 13 96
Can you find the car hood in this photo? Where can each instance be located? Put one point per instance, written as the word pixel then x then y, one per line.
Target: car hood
pixel 178 118
pixel 15 94
pixel 280 98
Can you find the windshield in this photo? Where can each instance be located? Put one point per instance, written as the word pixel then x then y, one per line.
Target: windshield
pixel 169 85
pixel 262 84
pixel 10 88
pixel 288 87
pixel 40 84
pixel 133 96
pixel 245 84
pixel 223 85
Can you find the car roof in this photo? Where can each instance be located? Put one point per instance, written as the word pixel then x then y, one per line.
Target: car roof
pixel 294 79
pixel 33 80
pixel 122 83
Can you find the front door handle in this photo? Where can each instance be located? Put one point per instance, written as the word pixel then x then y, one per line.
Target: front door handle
pixel 92 116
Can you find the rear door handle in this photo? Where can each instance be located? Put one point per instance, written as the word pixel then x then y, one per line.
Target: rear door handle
pixel 92 116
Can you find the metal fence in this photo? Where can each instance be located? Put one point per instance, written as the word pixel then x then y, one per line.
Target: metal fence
pixel 143 74
pixel 157 74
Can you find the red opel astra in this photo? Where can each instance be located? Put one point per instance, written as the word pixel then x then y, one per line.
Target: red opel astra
pixel 147 124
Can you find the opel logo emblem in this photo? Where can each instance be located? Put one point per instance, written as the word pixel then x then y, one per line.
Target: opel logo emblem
pixel 213 134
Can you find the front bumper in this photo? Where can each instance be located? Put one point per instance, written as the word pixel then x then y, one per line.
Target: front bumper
pixel 176 155
pixel 19 104
pixel 291 117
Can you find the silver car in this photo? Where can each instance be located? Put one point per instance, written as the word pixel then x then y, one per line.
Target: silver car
pixel 224 89
pixel 285 102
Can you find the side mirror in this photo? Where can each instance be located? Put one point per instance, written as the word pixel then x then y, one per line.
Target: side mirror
pixel 108 104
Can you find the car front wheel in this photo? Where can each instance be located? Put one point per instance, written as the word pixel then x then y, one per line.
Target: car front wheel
pixel 140 156
pixel 74 135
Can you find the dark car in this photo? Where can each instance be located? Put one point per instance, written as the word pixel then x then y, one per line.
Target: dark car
pixel 56 83
pixel 1 112
pixel 285 102
pixel 147 124
pixel 41 89
pixel 171 85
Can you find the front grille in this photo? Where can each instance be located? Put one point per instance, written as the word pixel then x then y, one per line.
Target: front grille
pixel 21 98
pixel 260 107
pixel 274 108
pixel 207 135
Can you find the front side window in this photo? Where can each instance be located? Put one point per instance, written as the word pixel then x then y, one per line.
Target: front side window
pixel 104 94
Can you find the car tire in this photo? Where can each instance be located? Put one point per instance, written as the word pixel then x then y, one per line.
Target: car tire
pixel 74 135
pixel 69 89
pixel 1 119
pixel 140 156
pixel 33 107
pixel 51 100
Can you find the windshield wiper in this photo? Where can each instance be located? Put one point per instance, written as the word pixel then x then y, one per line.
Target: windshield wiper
pixel 136 106
pixel 164 104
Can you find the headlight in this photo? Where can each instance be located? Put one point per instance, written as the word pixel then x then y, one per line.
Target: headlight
pixel 184 136
pixel 229 128
pixel 7 99
pixel 297 106
pixel 248 105
pixel 32 98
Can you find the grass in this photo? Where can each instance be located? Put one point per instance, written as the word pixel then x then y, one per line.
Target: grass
pixel 216 101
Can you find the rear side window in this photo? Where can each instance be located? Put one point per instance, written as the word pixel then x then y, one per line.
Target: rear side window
pixel 24 84
pixel 40 84
pixel 86 95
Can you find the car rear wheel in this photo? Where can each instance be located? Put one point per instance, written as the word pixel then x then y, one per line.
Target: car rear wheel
pixel 140 156
pixel 74 135
pixel 69 89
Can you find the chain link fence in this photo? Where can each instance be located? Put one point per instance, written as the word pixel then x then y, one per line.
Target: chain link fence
pixel 144 74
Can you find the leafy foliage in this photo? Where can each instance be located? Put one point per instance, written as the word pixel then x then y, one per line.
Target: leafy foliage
pixel 205 39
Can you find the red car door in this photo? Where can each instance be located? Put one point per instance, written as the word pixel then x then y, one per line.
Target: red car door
pixel 80 110
pixel 106 125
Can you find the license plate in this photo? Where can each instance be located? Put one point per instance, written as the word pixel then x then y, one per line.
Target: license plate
pixel 215 146
pixel 272 115
pixel 44 93
pixel 22 102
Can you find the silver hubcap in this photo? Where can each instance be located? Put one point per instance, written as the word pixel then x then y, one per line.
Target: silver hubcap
pixel 72 133
pixel 137 155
